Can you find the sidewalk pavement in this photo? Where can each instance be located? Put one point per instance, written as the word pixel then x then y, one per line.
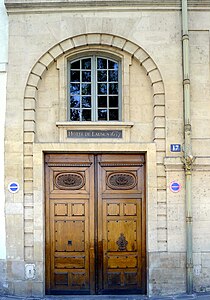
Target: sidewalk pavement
pixel 201 296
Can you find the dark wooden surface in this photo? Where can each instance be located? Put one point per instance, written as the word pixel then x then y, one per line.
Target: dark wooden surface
pixel 95 224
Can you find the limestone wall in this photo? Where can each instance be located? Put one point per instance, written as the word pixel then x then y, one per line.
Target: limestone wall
pixel 148 40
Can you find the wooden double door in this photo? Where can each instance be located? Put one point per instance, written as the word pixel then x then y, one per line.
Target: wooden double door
pixel 95 224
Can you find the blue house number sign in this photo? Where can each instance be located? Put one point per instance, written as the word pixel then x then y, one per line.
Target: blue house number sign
pixel 175 148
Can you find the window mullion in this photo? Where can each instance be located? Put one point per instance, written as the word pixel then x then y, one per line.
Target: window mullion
pixel 80 108
pixel 94 87
pixel 107 71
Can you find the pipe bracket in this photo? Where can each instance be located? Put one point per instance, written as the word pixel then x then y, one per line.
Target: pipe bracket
pixel 185 37
pixel 189 219
pixel 189 265
pixel 187 127
pixel 188 163
pixel 186 81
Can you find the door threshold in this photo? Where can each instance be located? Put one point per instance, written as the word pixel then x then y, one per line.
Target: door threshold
pixel 96 297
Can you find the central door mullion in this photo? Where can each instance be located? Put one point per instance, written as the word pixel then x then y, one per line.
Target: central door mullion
pixel 93 255
pixel 95 183
pixel 99 217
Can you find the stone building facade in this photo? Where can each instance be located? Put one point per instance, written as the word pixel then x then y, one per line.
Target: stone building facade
pixel 3 76
pixel 143 39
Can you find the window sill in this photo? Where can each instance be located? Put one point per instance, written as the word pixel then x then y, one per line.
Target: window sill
pixel 65 127
pixel 101 124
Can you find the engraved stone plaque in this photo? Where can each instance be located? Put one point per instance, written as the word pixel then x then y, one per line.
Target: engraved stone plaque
pixel 94 134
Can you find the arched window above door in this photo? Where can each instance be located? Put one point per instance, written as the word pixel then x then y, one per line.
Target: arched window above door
pixel 94 89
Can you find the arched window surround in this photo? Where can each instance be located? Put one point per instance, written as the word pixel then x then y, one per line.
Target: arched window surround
pixel 104 51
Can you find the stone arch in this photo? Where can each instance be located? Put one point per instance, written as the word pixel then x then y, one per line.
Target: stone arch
pixel 60 49
pixel 106 40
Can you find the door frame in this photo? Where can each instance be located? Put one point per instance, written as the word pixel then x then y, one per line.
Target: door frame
pixel 149 149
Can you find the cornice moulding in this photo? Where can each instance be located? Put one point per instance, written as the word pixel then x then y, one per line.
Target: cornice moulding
pixel 175 164
pixel 69 4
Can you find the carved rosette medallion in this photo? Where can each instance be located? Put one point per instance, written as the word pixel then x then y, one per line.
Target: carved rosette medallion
pixel 69 181
pixel 121 181
pixel 122 243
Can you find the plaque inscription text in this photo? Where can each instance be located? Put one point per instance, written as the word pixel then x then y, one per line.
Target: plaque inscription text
pixel 94 134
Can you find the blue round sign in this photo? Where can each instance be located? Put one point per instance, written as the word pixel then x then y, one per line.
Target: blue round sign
pixel 13 187
pixel 175 186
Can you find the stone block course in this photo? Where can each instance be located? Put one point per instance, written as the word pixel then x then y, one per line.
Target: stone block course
pixel 29 241
pixel 94 39
pixel 33 80
pixel 46 60
pixel 106 39
pixel 3 286
pixel 56 51
pixel 29 253
pixel 38 69
pixel 30 103
pixel 66 45
pixel 141 55
pixel 159 111
pixel 118 42
pixel 158 87
pixel 130 47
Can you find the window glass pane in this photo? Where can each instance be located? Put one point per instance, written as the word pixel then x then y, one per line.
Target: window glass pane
pixel 102 88
pixel 86 63
pixel 102 114
pixel 86 89
pixel 113 101
pixel 86 102
pixel 75 101
pixel 86 115
pixel 113 75
pixel 75 76
pixel 86 76
pixel 113 114
pixel 75 65
pixel 75 88
pixel 113 88
pixel 101 63
pixel 102 76
pixel 74 114
pixel 102 101
pixel 112 65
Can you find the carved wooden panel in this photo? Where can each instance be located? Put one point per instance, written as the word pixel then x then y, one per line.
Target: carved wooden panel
pixel 129 209
pixel 113 209
pixel 61 278
pixel 122 261
pixel 114 279
pixel 78 279
pixel 121 231
pixel 121 181
pixel 69 181
pixel 61 209
pixel 70 235
pixel 78 209
pixel 69 262
pixel 131 278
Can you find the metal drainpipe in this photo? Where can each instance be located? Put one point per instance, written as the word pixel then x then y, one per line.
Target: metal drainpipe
pixel 187 155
